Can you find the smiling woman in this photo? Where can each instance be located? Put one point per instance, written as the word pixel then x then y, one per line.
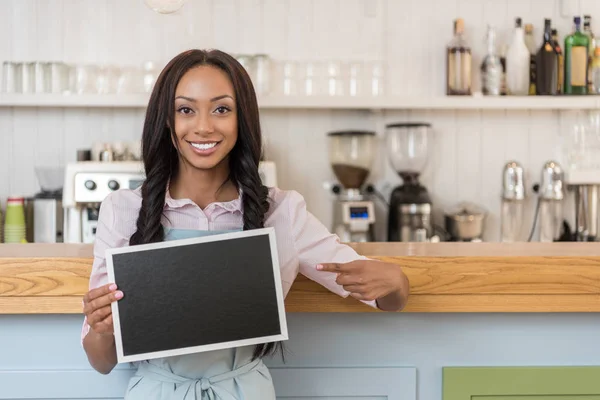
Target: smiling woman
pixel 201 147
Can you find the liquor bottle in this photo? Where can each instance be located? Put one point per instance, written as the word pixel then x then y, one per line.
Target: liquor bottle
pixel 530 42
pixel 518 61
pixel 561 63
pixel 587 31
pixel 596 72
pixel 546 64
pixel 491 67
pixel 576 61
pixel 458 62
pixel 502 55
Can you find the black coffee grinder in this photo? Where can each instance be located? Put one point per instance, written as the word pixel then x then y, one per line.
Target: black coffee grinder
pixel 409 218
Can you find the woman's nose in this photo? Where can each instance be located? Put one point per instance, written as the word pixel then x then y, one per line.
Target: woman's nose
pixel 205 124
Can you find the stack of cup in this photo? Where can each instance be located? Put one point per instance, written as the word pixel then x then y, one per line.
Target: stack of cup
pixel 14 223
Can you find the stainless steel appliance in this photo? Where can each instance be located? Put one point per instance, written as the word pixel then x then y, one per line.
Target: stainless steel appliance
pixel 86 185
pixel 44 212
pixel 586 185
pixel 409 218
pixel 465 222
pixel 551 202
pixel 351 155
pixel 513 202
pixel 48 218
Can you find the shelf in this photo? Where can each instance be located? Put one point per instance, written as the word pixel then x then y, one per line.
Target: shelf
pixel 325 102
pixel 583 177
pixel 86 100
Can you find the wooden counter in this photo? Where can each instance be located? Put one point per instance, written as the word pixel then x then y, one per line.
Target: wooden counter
pixel 445 277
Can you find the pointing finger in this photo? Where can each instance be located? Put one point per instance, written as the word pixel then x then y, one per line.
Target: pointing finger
pixel 329 267
pixel 338 267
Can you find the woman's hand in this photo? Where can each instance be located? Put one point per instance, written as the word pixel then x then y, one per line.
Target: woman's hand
pixel 372 280
pixel 96 307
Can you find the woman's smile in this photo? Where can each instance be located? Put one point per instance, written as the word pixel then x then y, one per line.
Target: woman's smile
pixel 204 148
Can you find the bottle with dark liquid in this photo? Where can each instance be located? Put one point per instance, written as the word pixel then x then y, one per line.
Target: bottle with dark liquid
pixel 561 63
pixel 546 63
pixel 458 62
pixel 530 42
pixel 587 30
pixel 576 61
pixel 502 55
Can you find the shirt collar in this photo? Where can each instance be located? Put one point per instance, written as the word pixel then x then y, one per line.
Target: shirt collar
pixel 231 206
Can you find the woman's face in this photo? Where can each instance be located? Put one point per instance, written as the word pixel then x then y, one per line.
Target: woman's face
pixel 206 126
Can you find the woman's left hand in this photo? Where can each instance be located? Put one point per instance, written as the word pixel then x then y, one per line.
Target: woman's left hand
pixel 370 280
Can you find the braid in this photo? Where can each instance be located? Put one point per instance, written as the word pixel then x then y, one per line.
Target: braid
pixel 254 200
pixel 154 190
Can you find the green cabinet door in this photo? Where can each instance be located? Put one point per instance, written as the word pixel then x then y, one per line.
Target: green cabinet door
pixel 521 383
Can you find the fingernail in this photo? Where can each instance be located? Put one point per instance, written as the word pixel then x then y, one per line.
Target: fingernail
pixel 319 267
pixel 118 295
pixel 112 287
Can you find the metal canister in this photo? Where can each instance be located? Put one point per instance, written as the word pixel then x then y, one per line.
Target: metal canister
pixel 551 201
pixel 513 202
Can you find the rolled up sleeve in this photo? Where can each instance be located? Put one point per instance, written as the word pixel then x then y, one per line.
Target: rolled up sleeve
pixel 314 245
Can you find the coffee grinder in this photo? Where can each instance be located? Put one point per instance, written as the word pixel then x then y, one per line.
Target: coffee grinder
pixel 409 218
pixel 351 156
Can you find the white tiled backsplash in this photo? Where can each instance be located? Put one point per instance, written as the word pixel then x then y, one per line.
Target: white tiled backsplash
pixel 409 35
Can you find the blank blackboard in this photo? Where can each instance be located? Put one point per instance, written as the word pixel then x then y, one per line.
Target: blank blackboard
pixel 200 294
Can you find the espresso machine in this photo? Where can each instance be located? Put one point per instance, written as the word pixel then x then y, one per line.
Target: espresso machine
pixel 86 185
pixel 409 218
pixel 351 156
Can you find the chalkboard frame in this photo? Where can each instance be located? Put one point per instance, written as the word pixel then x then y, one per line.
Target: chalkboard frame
pixel 200 242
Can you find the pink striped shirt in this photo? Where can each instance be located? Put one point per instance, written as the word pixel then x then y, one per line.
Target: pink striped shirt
pixel 302 240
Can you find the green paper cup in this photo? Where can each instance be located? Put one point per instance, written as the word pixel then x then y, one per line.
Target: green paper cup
pixel 15 213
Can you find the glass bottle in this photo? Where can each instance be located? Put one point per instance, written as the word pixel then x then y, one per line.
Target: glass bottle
pixel 576 61
pixel 532 47
pixel 587 30
pixel 502 55
pixel 596 72
pixel 518 60
pixel 561 61
pixel 546 64
pixel 458 62
pixel 491 67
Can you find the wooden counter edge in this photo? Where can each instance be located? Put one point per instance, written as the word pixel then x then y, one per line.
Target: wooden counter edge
pixel 297 302
pixel 438 284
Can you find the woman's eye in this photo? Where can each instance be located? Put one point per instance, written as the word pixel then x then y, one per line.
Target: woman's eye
pixel 185 110
pixel 222 110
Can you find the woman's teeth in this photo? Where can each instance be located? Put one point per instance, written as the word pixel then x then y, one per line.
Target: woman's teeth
pixel 204 146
